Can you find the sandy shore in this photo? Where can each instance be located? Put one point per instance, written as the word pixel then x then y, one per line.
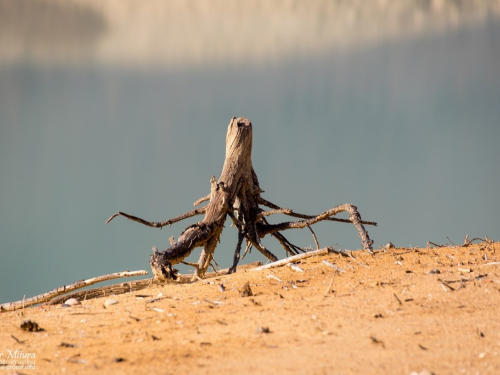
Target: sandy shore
pixel 397 312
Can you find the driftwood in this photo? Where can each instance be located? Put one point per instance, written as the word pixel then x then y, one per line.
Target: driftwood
pixel 10 306
pixel 294 258
pixel 136 285
pixel 237 195
pixel 63 293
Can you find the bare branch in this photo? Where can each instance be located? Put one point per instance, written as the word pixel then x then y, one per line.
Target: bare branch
pixel 247 250
pixel 277 211
pixel 198 211
pixel 135 285
pixel 66 289
pixel 314 236
pixel 303 216
pixel 353 215
pixel 201 200
pixel 285 261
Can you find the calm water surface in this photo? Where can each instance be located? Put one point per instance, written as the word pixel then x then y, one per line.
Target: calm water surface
pixel 404 125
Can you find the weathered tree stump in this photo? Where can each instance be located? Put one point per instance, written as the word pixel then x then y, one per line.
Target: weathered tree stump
pixel 237 194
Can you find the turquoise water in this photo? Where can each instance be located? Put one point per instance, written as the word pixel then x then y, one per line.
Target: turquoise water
pixel 407 129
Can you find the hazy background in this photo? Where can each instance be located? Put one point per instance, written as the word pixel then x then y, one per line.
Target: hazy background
pixel 123 105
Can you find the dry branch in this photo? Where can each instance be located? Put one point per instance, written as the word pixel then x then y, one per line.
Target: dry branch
pixel 294 258
pixel 198 211
pixel 134 286
pixel 303 216
pixel 10 306
pixel 353 216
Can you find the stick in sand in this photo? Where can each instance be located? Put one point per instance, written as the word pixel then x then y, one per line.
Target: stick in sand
pixel 282 262
pixel 44 297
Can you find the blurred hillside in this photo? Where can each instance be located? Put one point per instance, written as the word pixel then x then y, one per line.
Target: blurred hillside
pixel 190 33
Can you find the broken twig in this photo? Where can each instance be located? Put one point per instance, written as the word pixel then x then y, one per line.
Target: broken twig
pixel 330 285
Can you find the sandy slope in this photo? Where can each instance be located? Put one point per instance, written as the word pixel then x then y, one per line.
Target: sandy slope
pixel 398 312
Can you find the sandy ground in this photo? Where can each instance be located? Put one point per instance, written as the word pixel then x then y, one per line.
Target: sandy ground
pixel 402 311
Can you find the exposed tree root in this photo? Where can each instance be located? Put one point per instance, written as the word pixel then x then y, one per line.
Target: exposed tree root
pixel 237 194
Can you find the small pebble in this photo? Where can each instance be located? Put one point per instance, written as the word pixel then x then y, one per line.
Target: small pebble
pixel 262 330
pixel 295 267
pixel 246 291
pixel 434 271
pixel 273 277
pixel 110 302
pixel 423 372
pixel 72 302
pixel 390 245
pixel 331 265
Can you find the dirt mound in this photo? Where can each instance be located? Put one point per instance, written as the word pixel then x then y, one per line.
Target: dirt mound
pixel 400 311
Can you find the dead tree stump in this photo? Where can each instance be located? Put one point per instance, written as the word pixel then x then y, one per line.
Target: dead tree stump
pixel 237 194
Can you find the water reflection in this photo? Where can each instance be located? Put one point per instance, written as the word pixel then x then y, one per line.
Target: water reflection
pixel 391 107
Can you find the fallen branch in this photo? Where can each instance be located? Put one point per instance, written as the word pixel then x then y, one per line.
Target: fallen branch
pixel 134 286
pixel 490 264
pixel 294 258
pixel 334 266
pixel 10 306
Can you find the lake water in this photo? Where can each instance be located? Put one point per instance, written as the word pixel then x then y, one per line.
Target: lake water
pixel 125 107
